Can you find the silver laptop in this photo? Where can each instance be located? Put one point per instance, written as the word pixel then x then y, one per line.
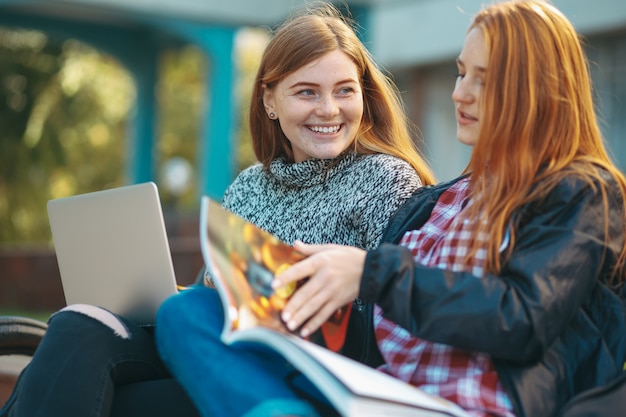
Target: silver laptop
pixel 112 250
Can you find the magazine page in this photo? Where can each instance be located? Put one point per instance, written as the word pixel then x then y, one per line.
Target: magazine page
pixel 353 388
pixel 242 259
pixel 368 382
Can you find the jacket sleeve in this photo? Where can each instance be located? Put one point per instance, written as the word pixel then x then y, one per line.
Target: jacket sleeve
pixel 559 255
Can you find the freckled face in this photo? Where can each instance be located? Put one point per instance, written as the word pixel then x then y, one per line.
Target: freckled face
pixel 470 83
pixel 319 106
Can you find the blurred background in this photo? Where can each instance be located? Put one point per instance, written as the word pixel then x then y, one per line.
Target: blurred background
pixel 96 94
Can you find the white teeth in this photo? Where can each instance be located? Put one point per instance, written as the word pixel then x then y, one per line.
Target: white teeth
pixel 329 129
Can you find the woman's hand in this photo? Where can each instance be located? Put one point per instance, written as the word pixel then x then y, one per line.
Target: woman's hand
pixel 334 277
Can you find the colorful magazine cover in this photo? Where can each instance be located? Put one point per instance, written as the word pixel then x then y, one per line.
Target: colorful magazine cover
pixel 242 260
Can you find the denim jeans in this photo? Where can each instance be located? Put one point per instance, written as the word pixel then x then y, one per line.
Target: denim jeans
pixel 92 363
pixel 244 379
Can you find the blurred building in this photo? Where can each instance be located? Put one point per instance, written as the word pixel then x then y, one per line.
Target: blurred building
pixel 416 40
pixel 419 40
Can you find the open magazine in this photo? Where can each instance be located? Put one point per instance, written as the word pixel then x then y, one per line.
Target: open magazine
pixel 242 260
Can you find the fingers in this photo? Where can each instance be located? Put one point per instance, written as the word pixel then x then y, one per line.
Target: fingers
pixel 296 272
pixel 302 269
pixel 311 306
pixel 316 321
pixel 333 274
pixel 307 249
pixel 306 301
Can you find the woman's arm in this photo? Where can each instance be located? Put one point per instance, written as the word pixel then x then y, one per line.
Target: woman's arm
pixel 559 255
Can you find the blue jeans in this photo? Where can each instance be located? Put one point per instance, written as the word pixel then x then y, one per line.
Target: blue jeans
pixel 228 380
pixel 92 363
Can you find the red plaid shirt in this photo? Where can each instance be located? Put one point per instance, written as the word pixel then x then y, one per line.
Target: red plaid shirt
pixel 466 378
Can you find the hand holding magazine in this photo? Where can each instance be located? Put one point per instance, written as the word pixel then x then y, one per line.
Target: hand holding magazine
pixel 242 261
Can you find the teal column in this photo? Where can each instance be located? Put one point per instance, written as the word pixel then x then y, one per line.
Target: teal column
pixel 141 142
pixel 217 149
pixel 216 153
pixel 137 50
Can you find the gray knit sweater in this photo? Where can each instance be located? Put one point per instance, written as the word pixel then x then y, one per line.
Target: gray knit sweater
pixel 346 201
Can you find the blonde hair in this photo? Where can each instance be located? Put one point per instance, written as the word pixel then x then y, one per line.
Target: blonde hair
pixel 538 119
pixel 303 39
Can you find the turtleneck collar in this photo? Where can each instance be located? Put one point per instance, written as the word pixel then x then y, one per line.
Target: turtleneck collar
pixel 310 172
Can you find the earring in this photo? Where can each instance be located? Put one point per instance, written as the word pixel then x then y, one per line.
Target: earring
pixel 272 115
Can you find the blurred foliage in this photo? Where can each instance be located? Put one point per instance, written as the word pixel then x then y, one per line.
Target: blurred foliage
pixel 181 99
pixel 64 115
pixel 249 48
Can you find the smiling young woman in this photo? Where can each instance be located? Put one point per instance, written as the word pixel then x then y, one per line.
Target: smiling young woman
pixel 336 160
pixel 319 106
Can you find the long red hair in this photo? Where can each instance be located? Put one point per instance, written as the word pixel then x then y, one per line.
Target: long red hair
pixel 304 38
pixel 538 122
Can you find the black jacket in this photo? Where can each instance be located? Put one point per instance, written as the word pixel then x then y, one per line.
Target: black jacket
pixel 549 321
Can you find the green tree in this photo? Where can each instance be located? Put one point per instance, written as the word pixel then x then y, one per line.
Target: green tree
pixel 63 117
pixel 181 100
pixel 64 112
pixel 250 45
